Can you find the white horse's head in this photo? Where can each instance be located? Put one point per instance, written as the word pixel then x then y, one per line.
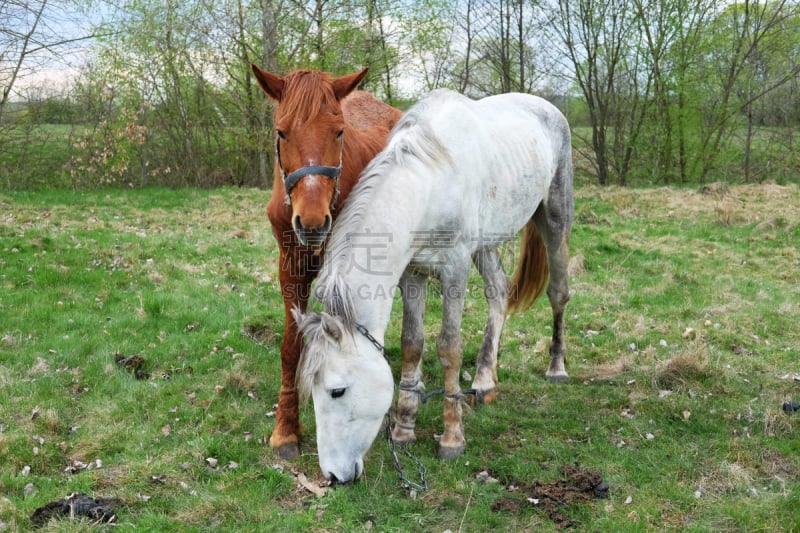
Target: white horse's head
pixel 352 388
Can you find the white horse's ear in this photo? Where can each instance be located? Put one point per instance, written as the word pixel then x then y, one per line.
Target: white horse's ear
pixel 331 326
pixel 311 324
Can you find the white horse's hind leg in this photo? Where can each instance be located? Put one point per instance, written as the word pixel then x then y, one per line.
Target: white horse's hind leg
pixel 412 286
pixel 487 260
pixel 558 293
pixel 450 351
pixel 554 222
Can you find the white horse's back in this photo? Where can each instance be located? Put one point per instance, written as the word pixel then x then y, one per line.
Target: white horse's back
pixel 478 168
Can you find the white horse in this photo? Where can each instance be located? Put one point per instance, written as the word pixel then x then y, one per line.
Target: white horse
pixel 457 178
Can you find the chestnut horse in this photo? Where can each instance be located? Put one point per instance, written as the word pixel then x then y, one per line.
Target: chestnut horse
pixel 326 132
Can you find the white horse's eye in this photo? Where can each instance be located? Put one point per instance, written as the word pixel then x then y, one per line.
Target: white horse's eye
pixel 337 393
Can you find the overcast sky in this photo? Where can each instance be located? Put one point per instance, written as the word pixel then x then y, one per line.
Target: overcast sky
pixel 56 49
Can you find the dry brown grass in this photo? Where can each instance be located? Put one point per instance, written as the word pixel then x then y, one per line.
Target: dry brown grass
pixel 718 204
pixel 727 478
pixel 777 424
pixel 614 369
pixel 576 267
pixel 684 368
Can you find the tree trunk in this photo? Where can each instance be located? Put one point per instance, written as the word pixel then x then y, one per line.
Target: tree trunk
pixel 269 61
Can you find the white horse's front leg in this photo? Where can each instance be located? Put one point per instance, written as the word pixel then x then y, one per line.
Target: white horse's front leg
pixel 450 350
pixel 412 286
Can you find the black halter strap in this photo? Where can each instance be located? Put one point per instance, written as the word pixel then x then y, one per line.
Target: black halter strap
pixel 290 180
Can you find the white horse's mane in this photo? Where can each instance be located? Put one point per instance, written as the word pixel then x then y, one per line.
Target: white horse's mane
pixel 412 145
pixel 413 149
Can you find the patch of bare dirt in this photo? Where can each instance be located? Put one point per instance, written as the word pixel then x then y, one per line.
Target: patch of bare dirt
pixel 578 486
pixel 97 510
pixel 135 364
pixel 261 334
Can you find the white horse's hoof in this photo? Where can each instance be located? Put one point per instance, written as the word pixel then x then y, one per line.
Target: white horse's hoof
pixel 403 437
pixel 451 452
pixel 485 396
pixel 558 378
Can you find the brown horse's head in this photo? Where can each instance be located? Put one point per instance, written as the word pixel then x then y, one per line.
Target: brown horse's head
pixel 310 133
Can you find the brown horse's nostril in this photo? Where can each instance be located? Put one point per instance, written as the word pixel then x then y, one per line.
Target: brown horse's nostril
pixel 312 236
pixel 297 223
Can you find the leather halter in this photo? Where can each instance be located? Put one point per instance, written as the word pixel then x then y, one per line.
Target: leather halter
pixel 290 180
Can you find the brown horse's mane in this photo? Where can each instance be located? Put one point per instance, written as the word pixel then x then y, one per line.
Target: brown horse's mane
pixel 311 91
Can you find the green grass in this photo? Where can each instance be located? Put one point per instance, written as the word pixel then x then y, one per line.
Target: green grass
pixel 674 290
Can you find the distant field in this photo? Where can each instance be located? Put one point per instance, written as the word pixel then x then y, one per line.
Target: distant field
pixel 683 335
pixel 35 156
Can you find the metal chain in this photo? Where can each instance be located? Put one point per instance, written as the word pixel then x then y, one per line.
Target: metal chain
pixel 364 331
pixel 425 396
pixel 422 486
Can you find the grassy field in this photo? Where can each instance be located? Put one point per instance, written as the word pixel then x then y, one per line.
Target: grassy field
pixel 139 361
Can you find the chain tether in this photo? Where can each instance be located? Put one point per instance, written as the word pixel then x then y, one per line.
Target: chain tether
pixel 418 388
pixel 364 331
pixel 422 486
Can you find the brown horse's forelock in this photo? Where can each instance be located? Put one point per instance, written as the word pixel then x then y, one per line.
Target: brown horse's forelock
pixel 305 94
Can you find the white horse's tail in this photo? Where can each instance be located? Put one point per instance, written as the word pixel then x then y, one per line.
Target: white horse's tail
pixel 530 276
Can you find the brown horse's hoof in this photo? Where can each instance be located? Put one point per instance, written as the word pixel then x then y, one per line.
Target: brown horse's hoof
pixel 288 451
pixel 450 452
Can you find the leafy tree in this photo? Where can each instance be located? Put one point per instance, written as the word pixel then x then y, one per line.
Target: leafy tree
pixel 670 90
pixel 598 38
pixel 728 79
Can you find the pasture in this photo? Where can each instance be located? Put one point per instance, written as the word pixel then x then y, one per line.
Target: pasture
pixel 683 339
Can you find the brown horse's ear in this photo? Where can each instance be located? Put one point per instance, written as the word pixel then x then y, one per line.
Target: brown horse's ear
pixel 347 84
pixel 272 84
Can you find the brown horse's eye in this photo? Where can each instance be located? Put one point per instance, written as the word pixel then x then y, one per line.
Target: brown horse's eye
pixel 281 135
pixel 339 135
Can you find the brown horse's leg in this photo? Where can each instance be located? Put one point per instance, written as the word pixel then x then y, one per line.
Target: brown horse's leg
pixel 449 347
pixel 487 260
pixel 413 286
pixel 295 289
